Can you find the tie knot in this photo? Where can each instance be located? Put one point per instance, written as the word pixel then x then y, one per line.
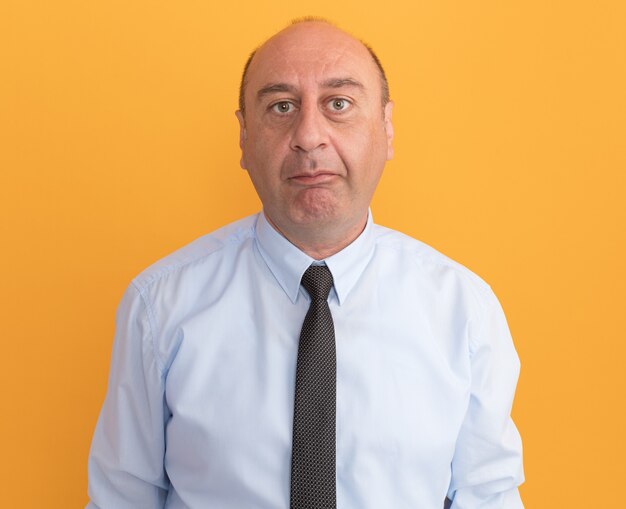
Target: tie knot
pixel 317 280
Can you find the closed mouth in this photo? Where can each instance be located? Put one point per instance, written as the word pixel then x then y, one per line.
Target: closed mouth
pixel 313 178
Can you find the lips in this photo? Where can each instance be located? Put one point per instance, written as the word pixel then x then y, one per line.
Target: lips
pixel 313 178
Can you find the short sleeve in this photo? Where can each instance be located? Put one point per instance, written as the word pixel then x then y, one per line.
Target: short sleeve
pixel 126 458
pixel 487 464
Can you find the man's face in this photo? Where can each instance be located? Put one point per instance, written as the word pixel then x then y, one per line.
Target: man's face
pixel 315 136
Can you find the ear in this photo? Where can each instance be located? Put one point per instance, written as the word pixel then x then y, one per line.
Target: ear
pixel 388 129
pixel 242 136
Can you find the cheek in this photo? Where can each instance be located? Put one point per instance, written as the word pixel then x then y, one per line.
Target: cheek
pixel 263 162
pixel 362 150
pixel 265 146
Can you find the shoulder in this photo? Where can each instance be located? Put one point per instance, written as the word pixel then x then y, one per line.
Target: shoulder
pixel 427 262
pixel 195 257
pixel 177 286
pixel 447 284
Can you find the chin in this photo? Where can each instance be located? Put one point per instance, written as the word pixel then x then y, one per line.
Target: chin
pixel 316 207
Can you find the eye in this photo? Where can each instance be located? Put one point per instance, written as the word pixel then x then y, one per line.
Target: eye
pixel 338 104
pixel 282 107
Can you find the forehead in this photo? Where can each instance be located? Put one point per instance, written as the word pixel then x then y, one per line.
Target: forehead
pixel 311 53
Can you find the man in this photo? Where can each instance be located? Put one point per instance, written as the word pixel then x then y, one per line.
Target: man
pixel 306 357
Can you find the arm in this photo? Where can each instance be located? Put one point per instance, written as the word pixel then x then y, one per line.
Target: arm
pixel 126 459
pixel 487 464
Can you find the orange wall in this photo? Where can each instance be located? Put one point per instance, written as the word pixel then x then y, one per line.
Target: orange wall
pixel 118 144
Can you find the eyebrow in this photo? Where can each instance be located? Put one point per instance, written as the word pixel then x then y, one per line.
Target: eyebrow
pixel 342 82
pixel 272 88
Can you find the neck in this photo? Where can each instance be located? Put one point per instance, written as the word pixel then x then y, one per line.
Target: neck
pixel 321 242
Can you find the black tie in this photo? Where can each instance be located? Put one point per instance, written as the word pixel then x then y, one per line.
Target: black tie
pixel 313 455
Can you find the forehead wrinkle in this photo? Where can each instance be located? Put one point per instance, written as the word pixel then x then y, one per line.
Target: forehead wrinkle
pixel 356 57
pixel 344 74
pixel 269 81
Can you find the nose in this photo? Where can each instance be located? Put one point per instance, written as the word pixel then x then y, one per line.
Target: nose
pixel 309 129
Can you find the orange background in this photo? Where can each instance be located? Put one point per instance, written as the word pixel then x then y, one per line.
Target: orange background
pixel 118 144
